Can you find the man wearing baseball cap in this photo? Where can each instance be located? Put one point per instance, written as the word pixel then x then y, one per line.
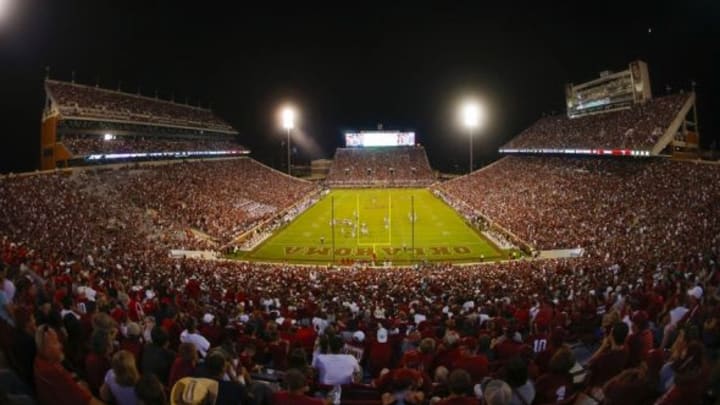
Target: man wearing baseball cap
pixel 692 316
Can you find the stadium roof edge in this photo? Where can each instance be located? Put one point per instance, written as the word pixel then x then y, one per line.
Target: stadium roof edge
pixel 128 94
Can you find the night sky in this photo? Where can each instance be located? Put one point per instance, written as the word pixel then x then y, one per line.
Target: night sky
pixel 350 65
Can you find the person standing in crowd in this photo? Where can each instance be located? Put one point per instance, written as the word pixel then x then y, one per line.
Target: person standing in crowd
pixel 335 368
pixel 610 358
pixel 157 359
pixel 120 380
pixel 55 385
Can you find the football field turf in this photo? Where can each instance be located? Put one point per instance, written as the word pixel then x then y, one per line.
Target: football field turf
pixel 377 224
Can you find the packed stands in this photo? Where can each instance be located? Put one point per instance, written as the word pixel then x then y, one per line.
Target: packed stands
pixel 222 199
pixel 85 255
pixel 81 101
pixel 378 166
pixel 639 127
pixel 84 125
pixel 83 145
pixel 158 203
pixel 644 209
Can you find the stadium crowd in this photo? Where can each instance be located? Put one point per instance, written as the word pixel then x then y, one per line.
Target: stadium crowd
pixel 634 210
pixel 85 101
pixel 92 308
pixel 222 199
pixel 82 145
pixel 639 127
pixel 394 166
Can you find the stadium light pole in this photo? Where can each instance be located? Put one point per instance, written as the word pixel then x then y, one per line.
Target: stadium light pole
pixel 288 122
pixel 471 120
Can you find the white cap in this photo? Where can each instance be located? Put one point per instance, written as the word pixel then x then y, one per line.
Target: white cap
pixel 208 318
pixel 696 292
pixel 359 336
pixel 382 335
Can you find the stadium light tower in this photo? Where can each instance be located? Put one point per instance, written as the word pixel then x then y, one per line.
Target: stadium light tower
pixel 471 117
pixel 288 122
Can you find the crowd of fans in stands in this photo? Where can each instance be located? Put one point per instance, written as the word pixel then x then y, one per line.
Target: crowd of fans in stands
pixel 82 145
pixel 639 127
pixel 380 166
pixel 85 101
pixel 634 210
pixel 91 307
pixel 222 199
pixel 88 211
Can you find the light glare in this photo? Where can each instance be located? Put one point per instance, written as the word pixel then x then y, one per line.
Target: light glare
pixel 4 8
pixel 288 118
pixel 471 115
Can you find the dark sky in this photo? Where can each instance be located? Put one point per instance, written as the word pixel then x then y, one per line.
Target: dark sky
pixel 351 65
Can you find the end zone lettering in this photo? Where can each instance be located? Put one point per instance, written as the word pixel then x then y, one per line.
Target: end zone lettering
pixel 368 252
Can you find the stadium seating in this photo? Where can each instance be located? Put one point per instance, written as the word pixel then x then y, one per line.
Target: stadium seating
pixel 159 203
pixel 388 166
pixel 76 100
pixel 644 209
pixel 82 145
pixel 639 127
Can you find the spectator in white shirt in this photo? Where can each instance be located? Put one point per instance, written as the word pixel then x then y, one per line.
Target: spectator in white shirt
pixel 335 368
pixel 191 335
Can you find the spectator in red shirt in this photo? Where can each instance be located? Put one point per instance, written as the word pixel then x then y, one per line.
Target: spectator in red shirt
pixel 475 364
pixel 278 349
pixel 297 387
pixel 542 359
pixel 133 342
pixel 509 344
pixel 55 385
pixel 412 369
pixel 449 351
pixel 380 353
pixel 97 362
pixel 691 377
pixel 184 363
pixel 211 330
pixel 640 341
pixel 557 383
pixel 610 359
pixel 426 352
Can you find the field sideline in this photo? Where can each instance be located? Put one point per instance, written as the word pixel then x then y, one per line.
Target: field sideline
pixel 377 224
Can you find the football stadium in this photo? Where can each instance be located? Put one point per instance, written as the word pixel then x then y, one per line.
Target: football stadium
pixel 162 254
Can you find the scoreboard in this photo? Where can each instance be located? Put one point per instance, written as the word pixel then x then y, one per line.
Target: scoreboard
pixel 379 138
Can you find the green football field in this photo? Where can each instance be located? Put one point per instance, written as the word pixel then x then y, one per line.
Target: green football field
pixel 377 224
